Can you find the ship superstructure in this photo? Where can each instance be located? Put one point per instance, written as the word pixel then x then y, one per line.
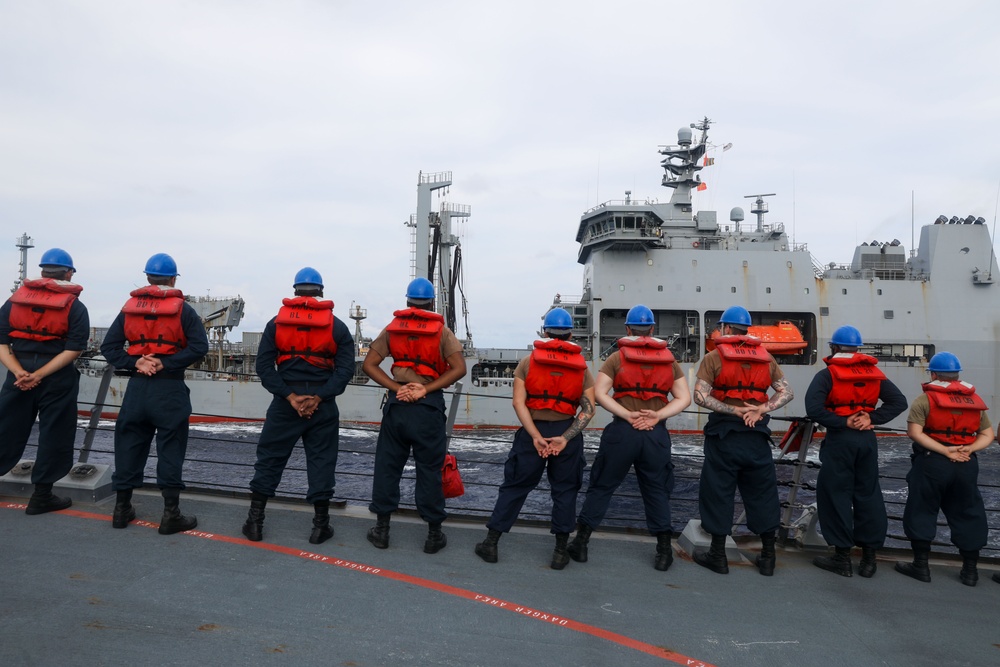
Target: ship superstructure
pixel 688 266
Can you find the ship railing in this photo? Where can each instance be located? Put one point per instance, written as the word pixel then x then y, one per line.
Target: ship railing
pixel 616 203
pixel 224 465
pixel 436 177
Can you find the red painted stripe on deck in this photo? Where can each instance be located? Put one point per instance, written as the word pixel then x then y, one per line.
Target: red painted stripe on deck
pixel 528 612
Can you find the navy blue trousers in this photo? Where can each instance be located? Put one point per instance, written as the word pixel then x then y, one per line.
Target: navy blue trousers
pixel 53 401
pixel 418 427
pixel 622 447
pixel 523 471
pixel 936 483
pixel 151 407
pixel 848 495
pixel 320 439
pixel 738 457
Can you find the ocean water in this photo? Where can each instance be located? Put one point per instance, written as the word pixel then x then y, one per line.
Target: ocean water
pixel 221 457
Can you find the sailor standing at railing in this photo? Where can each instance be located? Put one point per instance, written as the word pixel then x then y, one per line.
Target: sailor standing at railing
pixel 305 359
pixel 844 398
pixel 733 380
pixel 156 336
pixel 426 358
pixel 43 329
pixel 948 425
pixel 554 401
pixel 649 388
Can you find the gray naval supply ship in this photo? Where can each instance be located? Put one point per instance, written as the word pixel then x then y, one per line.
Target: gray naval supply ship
pixel 688 266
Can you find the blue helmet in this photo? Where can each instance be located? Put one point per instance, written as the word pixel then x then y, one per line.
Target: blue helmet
pixel 847 336
pixel 639 316
pixel 420 289
pixel 308 276
pixel 57 257
pixel 735 315
pixel 161 264
pixel 944 362
pixel 558 319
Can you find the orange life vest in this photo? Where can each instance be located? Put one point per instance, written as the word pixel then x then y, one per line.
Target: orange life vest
pixel 856 383
pixel 39 309
pixel 555 376
pixel 153 321
pixel 647 369
pixel 415 341
pixel 746 369
pixel 304 329
pixel 955 412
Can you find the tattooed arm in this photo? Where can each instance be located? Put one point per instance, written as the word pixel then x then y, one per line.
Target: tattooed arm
pixel 583 418
pixel 703 397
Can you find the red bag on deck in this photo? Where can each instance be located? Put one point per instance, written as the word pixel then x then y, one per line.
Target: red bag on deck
pixel 451 479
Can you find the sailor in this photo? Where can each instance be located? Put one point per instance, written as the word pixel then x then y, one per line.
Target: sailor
pixel 732 382
pixel 554 401
pixel 948 425
pixel 649 387
pixel 155 336
pixel 426 358
pixel 43 329
pixel 306 359
pixel 844 398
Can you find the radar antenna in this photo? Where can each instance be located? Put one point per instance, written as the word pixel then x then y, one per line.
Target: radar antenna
pixel 759 208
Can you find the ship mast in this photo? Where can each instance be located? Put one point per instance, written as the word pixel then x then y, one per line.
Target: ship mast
pixel 759 208
pixel 681 167
pixel 357 313
pixel 23 243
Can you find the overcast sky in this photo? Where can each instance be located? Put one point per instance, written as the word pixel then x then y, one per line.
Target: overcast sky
pixel 250 138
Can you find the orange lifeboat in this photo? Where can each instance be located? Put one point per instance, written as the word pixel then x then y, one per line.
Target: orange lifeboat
pixel 781 338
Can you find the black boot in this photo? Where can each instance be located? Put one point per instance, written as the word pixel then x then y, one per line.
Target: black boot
pixel 715 558
pixel 436 540
pixel 487 549
pixel 996 577
pixel 868 564
pixel 839 563
pixel 577 549
pixel 124 512
pixel 664 553
pixel 378 534
pixel 322 530
pixel 969 574
pixel 918 569
pixel 173 521
pixel 765 561
pixel 43 501
pixel 560 555
pixel 254 526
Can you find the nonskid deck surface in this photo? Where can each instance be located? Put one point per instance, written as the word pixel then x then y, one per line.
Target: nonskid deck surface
pixel 77 592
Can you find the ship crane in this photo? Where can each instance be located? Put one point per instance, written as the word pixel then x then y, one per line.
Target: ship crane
pixel 218 315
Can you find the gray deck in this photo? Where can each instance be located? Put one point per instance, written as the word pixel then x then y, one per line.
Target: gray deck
pixel 77 592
